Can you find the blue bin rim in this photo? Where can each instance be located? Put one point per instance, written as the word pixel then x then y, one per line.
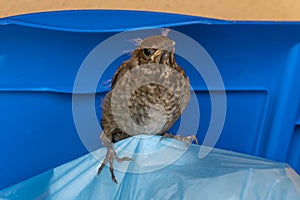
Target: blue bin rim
pixel 87 20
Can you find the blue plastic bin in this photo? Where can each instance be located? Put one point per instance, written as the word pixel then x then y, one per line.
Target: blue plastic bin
pixel 40 55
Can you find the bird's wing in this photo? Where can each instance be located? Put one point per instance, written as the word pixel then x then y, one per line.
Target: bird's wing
pixel 118 74
pixel 180 70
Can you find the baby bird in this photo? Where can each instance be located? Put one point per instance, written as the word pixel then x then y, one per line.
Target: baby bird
pixel 158 92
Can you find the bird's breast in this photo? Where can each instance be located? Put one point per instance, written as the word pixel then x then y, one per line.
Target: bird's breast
pixel 153 95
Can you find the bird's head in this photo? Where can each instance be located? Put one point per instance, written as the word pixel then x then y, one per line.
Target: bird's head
pixel 156 49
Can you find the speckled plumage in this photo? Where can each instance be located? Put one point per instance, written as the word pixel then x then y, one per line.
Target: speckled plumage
pixel 170 91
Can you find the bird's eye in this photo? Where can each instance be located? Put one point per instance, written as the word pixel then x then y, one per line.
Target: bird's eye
pixel 148 52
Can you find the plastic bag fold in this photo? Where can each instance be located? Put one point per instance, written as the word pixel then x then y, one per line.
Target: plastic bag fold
pixel 163 169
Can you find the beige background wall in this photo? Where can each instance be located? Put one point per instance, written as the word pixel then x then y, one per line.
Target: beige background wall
pixel 224 9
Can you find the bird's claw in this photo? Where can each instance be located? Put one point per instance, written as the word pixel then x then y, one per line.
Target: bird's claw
pixel 110 155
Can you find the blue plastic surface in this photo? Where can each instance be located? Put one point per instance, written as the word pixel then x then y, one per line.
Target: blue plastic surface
pixel 40 55
pixel 156 174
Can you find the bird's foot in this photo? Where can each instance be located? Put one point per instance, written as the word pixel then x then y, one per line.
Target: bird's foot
pixel 110 155
pixel 188 139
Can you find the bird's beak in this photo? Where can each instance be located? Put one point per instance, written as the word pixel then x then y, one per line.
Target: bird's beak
pixel 156 53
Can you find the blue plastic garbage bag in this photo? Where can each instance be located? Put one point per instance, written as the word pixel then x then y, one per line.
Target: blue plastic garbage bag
pixel 166 169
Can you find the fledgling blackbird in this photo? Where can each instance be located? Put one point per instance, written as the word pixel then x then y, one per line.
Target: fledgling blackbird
pixel 159 91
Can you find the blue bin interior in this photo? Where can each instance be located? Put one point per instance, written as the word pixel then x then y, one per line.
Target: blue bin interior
pixel 40 55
